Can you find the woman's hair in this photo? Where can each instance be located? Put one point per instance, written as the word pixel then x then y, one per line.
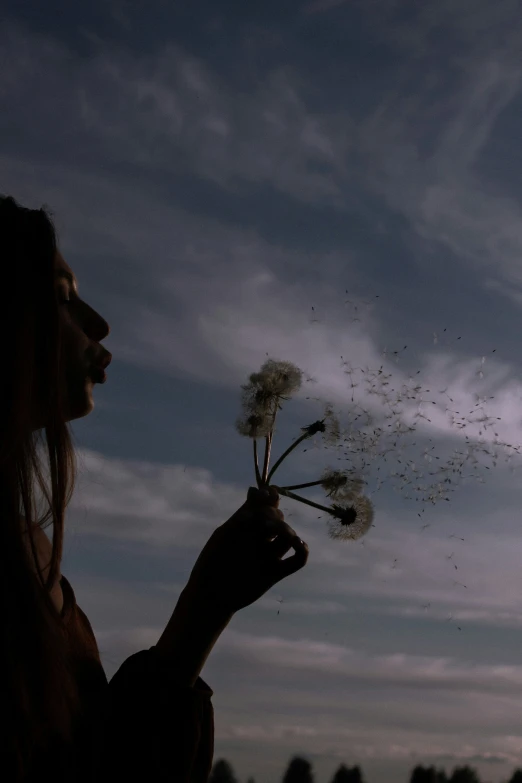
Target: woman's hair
pixel 39 697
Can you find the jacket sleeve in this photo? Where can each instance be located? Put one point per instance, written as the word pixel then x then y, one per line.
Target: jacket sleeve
pixel 152 729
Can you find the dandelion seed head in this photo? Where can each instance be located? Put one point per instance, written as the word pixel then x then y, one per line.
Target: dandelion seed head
pixel 352 521
pixel 261 397
pixel 254 425
pixel 340 485
pixel 280 378
pixel 313 429
pixel 332 431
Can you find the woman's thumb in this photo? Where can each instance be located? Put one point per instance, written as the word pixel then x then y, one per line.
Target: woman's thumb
pixel 268 496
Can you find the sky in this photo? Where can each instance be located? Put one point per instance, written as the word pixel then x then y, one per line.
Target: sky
pixel 322 182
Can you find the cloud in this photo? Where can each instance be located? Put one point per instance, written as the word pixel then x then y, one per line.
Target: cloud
pixel 437 717
pixel 443 193
pixel 168 111
pixel 399 670
pixel 158 504
pixel 302 607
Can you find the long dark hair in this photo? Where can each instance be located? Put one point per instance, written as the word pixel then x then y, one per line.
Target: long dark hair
pixel 39 698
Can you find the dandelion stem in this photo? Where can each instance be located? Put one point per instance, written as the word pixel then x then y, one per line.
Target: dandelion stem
pixel 265 463
pixel 256 465
pixel 303 486
pixel 268 449
pixel 286 453
pixel 288 494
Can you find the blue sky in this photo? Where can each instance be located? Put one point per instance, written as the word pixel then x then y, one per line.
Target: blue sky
pixel 215 171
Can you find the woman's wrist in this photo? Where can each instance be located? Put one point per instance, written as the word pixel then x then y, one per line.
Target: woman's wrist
pixel 204 605
pixel 192 631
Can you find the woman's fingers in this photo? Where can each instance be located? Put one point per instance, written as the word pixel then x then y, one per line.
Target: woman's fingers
pixel 271 524
pixel 278 535
pixel 263 497
pixel 281 544
pixel 293 563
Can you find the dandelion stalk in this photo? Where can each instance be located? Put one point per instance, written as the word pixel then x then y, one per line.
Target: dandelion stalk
pixel 256 465
pixel 285 455
pixel 349 521
pixel 288 494
pixel 333 488
pixel 308 432
pixel 268 449
pixel 303 486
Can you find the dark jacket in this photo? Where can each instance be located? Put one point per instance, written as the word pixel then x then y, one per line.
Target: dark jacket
pixel 140 726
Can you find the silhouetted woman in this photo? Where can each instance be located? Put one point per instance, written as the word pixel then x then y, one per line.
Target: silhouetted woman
pixel 61 719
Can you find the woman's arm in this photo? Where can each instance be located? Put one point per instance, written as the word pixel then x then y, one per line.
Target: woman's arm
pixel 191 633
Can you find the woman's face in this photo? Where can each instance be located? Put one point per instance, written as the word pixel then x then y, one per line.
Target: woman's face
pixel 82 330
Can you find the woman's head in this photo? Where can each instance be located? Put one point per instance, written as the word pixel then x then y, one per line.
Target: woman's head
pixel 51 345
pixel 43 309
pixel 82 331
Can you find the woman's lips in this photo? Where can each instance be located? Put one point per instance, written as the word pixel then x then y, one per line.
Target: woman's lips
pixel 98 375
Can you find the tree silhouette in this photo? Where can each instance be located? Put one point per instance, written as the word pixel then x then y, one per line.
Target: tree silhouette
pixel 222 772
pixel 347 775
pixel 428 775
pixel 418 775
pixel 464 775
pixel 342 775
pixel 299 771
pixel 357 776
pixel 516 777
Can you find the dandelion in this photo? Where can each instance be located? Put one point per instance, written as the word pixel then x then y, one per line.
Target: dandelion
pixel 338 484
pixel 332 429
pixel 255 425
pixel 352 521
pixel 281 378
pixel 261 399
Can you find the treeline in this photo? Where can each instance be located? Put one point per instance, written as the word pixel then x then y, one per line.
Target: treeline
pixel 300 770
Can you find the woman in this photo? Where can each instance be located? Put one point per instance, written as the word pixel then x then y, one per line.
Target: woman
pixel 65 722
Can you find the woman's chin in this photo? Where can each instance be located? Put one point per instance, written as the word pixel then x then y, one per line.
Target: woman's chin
pixel 84 404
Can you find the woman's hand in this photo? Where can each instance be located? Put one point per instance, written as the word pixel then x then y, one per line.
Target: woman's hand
pixel 242 558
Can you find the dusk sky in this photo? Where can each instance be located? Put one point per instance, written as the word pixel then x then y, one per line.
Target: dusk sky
pixel 318 182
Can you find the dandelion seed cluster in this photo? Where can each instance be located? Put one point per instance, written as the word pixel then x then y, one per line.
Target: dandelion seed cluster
pixel 261 398
pixel 354 521
pixel 375 442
